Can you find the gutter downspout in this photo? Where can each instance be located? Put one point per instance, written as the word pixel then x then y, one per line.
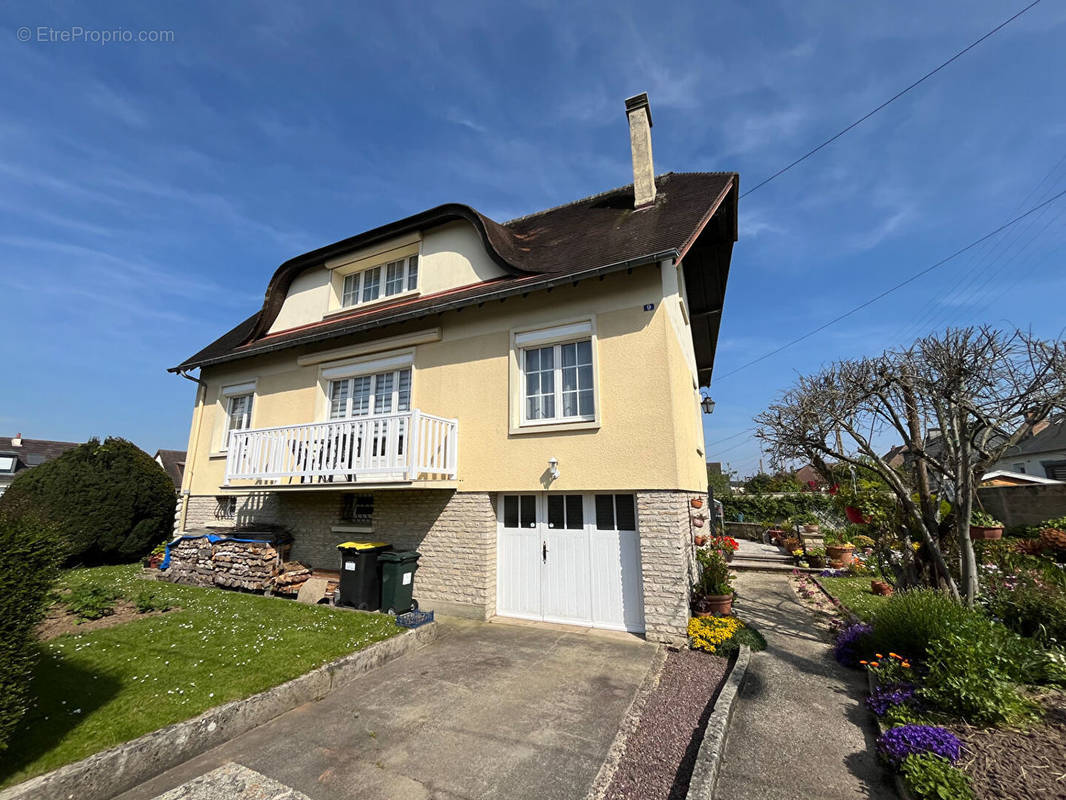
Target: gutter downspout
pixel 194 445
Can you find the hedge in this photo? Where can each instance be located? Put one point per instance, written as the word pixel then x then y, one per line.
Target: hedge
pixel 110 502
pixel 29 565
pixel 775 508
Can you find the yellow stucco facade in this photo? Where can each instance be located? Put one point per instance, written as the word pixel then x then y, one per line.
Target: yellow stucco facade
pixel 647 431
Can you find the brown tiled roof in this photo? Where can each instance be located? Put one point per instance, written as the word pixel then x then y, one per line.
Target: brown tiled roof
pixel 34 451
pixel 173 464
pixel 588 237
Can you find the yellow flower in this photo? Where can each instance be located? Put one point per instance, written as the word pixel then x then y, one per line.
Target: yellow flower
pixel 893 655
pixel 864 663
pixel 874 664
pixel 906 664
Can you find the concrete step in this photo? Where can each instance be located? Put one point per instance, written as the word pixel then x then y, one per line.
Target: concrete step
pixel 771 557
pixel 744 565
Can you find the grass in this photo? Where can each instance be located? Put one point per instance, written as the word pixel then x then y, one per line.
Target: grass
pixel 100 688
pixel 855 594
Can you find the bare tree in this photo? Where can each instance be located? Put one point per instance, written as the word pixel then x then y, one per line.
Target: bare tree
pixel 985 389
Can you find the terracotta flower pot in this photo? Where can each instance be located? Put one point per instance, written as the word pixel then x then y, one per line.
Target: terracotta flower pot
pixel 700 540
pixel 880 588
pixel 697 502
pixel 977 532
pixel 715 605
pixel 697 521
pixel 811 528
pixel 840 555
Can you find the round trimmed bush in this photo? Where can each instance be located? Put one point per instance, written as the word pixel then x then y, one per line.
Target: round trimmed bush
pixel 29 564
pixel 110 502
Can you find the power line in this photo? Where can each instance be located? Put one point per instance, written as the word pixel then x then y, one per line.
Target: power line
pixel 888 102
pixel 899 285
pixel 728 438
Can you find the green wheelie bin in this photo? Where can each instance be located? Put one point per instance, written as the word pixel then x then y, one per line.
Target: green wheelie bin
pixel 360 581
pixel 398 581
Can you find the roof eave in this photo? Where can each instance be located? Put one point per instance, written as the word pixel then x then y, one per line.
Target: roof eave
pixel 499 294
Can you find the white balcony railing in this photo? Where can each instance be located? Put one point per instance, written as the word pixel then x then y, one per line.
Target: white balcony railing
pixel 392 447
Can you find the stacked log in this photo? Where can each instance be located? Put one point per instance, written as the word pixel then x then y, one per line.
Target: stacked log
pixel 190 563
pixel 244 565
pixel 293 575
pixel 250 566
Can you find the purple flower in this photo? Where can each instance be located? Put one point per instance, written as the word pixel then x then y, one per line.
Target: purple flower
pixel 848 641
pixel 896 744
pixel 889 696
pixel 833 573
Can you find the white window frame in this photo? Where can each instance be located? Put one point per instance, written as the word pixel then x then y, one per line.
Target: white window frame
pixel 565 332
pixel 372 411
pixel 394 362
pixel 225 397
pixel 410 274
pixel 14 463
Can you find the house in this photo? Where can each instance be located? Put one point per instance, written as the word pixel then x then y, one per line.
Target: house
pixel 517 401
pixel 1041 454
pixel 173 464
pixel 18 454
pixel 1003 477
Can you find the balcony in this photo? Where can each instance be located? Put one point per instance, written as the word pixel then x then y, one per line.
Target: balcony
pixel 405 447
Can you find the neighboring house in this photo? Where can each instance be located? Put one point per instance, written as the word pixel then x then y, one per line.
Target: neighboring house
pixel 173 464
pixel 18 454
pixel 1002 477
pixel 517 401
pixel 810 478
pixel 1042 454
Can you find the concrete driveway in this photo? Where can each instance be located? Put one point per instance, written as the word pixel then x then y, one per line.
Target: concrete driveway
pixel 489 710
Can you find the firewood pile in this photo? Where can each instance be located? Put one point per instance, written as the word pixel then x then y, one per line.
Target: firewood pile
pixel 249 566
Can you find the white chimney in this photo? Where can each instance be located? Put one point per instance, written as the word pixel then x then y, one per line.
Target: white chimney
pixel 639 113
pixel 17 441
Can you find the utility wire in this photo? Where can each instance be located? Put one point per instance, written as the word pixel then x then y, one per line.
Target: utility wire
pixel 888 102
pixel 899 285
pixel 726 439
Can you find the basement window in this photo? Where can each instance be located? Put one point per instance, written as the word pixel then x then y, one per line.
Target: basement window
pixel 225 508
pixel 359 509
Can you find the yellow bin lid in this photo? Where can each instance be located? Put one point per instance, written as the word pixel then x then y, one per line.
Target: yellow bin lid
pixel 361 545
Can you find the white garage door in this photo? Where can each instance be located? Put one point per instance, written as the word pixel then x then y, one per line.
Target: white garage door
pixel 572 558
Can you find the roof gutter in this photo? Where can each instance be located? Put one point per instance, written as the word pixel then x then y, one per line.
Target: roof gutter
pixel 454 305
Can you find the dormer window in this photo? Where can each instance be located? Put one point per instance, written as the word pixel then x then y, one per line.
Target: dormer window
pixel 8 463
pixel 384 280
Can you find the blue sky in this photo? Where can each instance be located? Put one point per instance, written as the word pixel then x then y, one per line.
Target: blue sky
pixel 149 190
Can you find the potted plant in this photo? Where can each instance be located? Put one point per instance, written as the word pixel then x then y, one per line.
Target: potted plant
pixel 727 544
pixel 797 556
pixel 985 526
pixel 816 557
pixel 713 590
pixel 808 520
pixel 700 540
pixel 839 550
pixel 697 502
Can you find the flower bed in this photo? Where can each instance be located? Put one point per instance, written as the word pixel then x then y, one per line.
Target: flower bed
pixel 958 677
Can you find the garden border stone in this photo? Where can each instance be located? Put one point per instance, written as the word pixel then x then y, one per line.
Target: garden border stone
pixel 118 769
pixel 712 748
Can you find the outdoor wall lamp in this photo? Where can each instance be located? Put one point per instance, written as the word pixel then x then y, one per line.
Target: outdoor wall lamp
pixel 553 468
pixel 707 404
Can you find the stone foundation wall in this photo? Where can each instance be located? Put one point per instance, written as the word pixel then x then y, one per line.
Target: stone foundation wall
pixel 454 532
pixel 667 561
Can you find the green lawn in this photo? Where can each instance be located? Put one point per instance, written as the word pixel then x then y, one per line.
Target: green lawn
pixel 855 594
pixel 100 688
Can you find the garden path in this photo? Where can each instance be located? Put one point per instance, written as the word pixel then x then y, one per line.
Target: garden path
pixel 799 728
